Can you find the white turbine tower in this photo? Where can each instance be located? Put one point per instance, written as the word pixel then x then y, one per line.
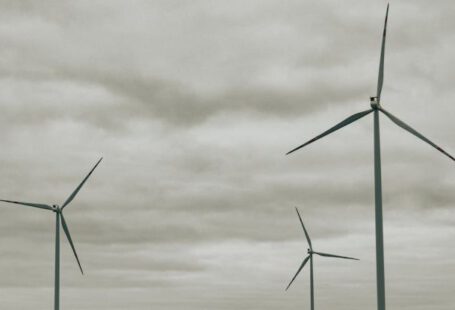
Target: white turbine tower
pixel 310 258
pixel 59 218
pixel 376 108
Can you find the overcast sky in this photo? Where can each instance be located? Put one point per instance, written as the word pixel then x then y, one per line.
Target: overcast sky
pixel 193 105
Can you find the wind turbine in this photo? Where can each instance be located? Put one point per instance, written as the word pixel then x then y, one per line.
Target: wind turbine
pixel 59 218
pixel 310 258
pixel 376 108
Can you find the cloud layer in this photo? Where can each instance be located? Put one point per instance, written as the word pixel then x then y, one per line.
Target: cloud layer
pixel 193 105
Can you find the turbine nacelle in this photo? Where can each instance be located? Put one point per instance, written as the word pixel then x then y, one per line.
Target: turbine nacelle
pixel 56 208
pixel 374 102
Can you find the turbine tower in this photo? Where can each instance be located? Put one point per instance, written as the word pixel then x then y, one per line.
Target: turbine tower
pixel 59 219
pixel 376 108
pixel 310 258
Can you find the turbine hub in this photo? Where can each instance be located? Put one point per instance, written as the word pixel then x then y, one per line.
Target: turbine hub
pixel 56 208
pixel 374 102
pixel 309 251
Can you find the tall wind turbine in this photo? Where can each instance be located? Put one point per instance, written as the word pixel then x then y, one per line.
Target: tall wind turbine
pixel 376 108
pixel 59 218
pixel 310 258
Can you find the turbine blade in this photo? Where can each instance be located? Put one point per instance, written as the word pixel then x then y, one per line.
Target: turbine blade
pixel 332 255
pixel 408 128
pixel 381 62
pixel 345 122
pixel 73 194
pixel 304 229
pixel 68 236
pixel 298 271
pixel 29 204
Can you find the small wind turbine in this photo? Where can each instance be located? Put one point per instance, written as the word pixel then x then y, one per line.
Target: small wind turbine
pixel 59 217
pixel 376 108
pixel 310 258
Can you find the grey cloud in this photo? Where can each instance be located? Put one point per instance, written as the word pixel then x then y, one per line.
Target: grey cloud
pixel 143 95
pixel 193 105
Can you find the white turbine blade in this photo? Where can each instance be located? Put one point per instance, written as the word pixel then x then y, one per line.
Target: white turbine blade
pixel 333 255
pixel 73 194
pixel 68 236
pixel 304 229
pixel 343 123
pixel 408 128
pixel 298 271
pixel 29 204
pixel 381 62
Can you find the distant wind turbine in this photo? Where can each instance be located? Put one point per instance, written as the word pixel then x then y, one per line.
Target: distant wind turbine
pixel 59 217
pixel 310 258
pixel 376 108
